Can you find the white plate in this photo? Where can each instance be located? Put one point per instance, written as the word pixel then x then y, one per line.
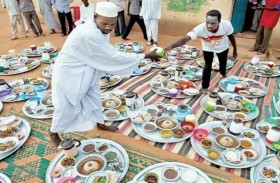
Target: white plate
pixel 4 178
pixel 260 73
pixel 46 72
pixel 118 79
pixel 35 64
pixel 157 168
pixel 185 56
pixel 259 147
pixel 113 145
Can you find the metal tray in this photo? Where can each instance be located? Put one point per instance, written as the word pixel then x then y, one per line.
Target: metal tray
pixel 46 72
pixel 200 61
pixel 250 115
pixel 186 56
pixel 4 178
pixel 17 99
pixel 259 147
pixel 247 66
pixel 171 60
pixel 262 135
pixel 117 82
pixel 113 145
pixel 185 76
pixel 19 72
pixel 25 127
pixel 255 171
pixel 157 168
pixel 121 117
pixel 148 68
pixel 25 51
pixel 155 135
pixel 223 83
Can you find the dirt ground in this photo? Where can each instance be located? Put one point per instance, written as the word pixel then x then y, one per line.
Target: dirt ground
pixel 244 42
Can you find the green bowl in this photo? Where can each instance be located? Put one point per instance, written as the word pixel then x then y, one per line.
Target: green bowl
pixel 251 106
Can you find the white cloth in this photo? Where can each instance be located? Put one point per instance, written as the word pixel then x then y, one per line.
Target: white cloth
pixel 119 3
pixel 152 29
pixel 12 6
pixel 14 19
pixel 151 9
pixel 85 13
pixel 84 57
pixel 47 11
pixel 214 42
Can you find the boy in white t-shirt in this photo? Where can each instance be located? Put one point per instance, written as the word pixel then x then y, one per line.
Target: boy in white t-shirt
pixel 214 34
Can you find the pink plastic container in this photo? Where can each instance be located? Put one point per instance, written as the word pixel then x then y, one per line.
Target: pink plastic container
pixel 200 133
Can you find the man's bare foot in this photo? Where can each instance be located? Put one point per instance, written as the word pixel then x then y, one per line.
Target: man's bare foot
pixel 55 139
pixel 107 128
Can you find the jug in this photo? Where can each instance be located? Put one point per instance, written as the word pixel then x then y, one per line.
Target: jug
pixel 231 85
pixel 255 60
pixel 182 111
pixel 130 98
pixel 164 76
pixel 179 72
pixel 48 45
pixel 236 126
pixel 41 91
pixel 4 85
pixel 45 56
pixel 69 147
pixel 136 47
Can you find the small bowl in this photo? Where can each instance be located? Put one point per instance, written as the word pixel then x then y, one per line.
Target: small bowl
pixel 88 147
pixel 227 141
pixel 69 172
pixel 220 108
pixel 250 133
pixel 91 177
pixel 151 174
pixel 140 117
pixel 240 115
pixel 152 111
pixel 170 173
pixel 56 172
pixel 218 129
pixel 46 101
pixel 111 113
pixel 110 155
pixel 166 123
pixel 48 111
pixel 156 84
pixel 247 141
pixel 243 92
pixel 13 143
pixel 179 133
pixel 213 154
pixel 79 167
pixel 39 110
pixel 263 127
pixel 166 133
pixel 200 133
pixel 269 166
pixel 111 103
pixel 163 91
pixel 101 147
pixel 149 126
pixel 250 153
pixel 207 143
pixel 71 161
pixel 187 126
pixel 245 110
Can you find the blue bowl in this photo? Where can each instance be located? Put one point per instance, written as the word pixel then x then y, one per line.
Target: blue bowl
pixel 5 92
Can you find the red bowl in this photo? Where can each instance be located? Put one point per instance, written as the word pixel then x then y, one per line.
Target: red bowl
pixel 268 141
pixel 187 126
pixel 200 133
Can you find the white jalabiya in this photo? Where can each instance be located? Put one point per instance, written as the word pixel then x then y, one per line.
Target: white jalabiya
pixel 84 57
pixel 47 11
pixel 151 13
pixel 85 13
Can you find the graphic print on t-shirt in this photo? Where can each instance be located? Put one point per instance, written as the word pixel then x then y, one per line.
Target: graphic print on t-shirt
pixel 214 40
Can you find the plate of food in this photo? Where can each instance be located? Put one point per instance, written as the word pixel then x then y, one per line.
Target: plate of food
pixel 215 65
pixel 129 47
pixel 143 68
pixel 164 62
pixel 189 72
pixel 246 87
pixel 161 124
pixel 117 106
pixel 14 132
pixel 185 52
pixel 23 89
pixel 171 172
pixel 109 80
pixel 230 106
pixel 230 151
pixel 36 51
pixel 19 65
pixel 87 165
pixel 263 69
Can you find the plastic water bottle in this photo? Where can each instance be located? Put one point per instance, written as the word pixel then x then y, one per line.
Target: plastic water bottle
pixel 231 85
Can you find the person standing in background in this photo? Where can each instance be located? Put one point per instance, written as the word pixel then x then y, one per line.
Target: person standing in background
pixel 28 10
pixel 133 10
pixel 63 10
pixel 15 17
pixel 120 26
pixel 257 15
pixel 151 13
pixel 86 12
pixel 46 10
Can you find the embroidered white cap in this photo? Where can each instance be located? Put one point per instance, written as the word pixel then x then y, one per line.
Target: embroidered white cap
pixel 106 9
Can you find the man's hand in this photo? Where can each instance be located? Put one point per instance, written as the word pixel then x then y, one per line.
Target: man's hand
pixel 167 49
pixel 234 56
pixel 152 55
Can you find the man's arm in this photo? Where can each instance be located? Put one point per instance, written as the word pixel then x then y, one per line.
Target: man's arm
pixel 233 43
pixel 180 42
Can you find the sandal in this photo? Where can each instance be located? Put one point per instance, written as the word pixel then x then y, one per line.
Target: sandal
pixel 149 43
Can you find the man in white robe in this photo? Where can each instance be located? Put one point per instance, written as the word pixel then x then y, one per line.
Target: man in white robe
pixel 86 12
pixel 47 11
pixel 151 13
pixel 83 58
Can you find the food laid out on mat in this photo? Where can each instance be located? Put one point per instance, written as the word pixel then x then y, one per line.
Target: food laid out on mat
pixel 108 80
pixel 269 129
pixel 164 62
pixel 14 132
pixel 118 105
pixel 228 144
pixel 248 88
pixel 47 72
pixel 20 89
pixel 37 51
pixel 91 160
pixel 164 123
pixel 189 72
pixel 215 64
pixel 185 52
pixel 143 68
pixel 129 47
pixel 263 69
pixel 229 106
pixel 174 87
pixel 15 66
pixel 268 171
pixel 171 172
pixel 39 107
